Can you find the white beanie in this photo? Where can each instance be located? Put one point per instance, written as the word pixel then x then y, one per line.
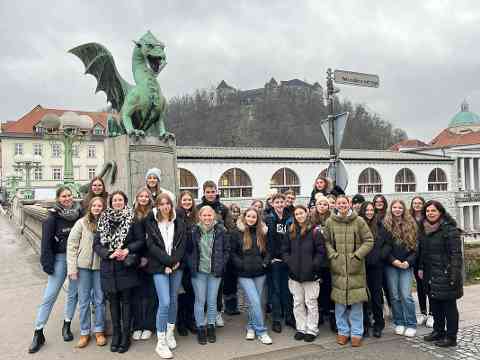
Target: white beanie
pixel 155 172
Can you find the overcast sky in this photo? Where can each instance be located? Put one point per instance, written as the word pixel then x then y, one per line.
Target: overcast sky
pixel 425 52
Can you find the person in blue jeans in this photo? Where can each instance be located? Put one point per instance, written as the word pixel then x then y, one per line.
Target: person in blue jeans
pixel 278 223
pixel 348 240
pixel 400 230
pixel 165 239
pixel 250 260
pixel 55 231
pixel 208 252
pixel 83 265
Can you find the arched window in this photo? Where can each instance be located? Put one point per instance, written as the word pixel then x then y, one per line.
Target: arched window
pixel 235 183
pixel 188 182
pixel 285 179
pixel 405 181
pixel 437 180
pixel 369 181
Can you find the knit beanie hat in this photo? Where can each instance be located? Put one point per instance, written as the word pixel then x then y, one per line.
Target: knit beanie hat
pixel 155 172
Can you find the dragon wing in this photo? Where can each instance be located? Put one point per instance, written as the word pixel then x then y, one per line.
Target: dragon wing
pixel 99 62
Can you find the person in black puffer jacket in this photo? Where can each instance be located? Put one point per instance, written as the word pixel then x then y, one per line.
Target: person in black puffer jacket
pixel 304 253
pixel 441 268
pixel 250 259
pixel 55 231
pixel 119 249
pixel 375 268
pixel 187 212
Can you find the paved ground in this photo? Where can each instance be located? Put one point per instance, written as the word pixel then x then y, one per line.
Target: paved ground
pixel 22 283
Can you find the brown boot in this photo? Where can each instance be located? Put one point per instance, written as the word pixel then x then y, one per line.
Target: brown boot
pixel 342 339
pixel 356 341
pixel 83 341
pixel 100 339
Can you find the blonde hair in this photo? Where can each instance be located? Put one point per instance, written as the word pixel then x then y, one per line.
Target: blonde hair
pixel 90 219
pixel 141 211
pixel 403 230
pixel 247 238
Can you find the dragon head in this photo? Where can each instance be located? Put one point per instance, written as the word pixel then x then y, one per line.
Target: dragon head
pixel 153 52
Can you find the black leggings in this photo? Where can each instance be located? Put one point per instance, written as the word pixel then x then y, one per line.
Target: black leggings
pixel 120 309
pixel 421 294
pixel 445 312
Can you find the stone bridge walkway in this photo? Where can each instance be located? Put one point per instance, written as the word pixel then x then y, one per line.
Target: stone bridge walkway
pixel 22 283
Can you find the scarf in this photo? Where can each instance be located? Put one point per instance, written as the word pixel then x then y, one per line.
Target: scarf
pixel 431 228
pixel 113 227
pixel 70 214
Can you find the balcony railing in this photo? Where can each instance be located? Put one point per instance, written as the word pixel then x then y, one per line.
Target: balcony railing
pixel 467 196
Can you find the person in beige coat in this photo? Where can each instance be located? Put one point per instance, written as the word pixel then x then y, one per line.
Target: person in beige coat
pixel 83 264
pixel 348 240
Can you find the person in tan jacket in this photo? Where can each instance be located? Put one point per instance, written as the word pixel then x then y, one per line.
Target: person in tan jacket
pixel 83 264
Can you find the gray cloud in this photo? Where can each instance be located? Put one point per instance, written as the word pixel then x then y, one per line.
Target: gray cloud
pixel 424 52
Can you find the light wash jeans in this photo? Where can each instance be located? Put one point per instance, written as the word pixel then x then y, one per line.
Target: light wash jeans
pixel 349 322
pixel 400 288
pixel 205 287
pixel 54 285
pixel 167 286
pixel 253 288
pixel 90 292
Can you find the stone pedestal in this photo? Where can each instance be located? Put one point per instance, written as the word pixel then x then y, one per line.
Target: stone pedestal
pixel 134 156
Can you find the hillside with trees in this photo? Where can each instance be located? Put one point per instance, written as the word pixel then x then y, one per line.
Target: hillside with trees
pixel 286 116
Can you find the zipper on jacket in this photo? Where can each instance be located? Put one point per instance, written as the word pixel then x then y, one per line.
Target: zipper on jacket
pixel 346 263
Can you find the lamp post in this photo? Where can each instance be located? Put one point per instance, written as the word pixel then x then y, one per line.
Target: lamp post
pixel 12 185
pixel 67 129
pixel 27 163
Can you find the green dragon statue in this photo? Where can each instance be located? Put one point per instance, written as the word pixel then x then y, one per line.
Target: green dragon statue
pixel 141 107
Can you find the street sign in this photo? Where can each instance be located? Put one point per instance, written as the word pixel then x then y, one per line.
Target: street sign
pixel 339 124
pixel 339 174
pixel 356 79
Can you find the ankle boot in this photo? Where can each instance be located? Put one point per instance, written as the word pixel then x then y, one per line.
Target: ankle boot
pixel 202 335
pixel 126 328
pixel 66 333
pixel 37 342
pixel 212 337
pixel 447 342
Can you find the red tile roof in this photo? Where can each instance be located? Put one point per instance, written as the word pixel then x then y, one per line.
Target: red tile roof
pixel 25 124
pixel 409 143
pixel 447 139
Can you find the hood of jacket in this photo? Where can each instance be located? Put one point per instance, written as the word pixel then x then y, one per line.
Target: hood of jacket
pixel 352 215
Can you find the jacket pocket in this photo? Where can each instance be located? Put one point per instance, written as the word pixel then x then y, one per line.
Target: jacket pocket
pixel 337 265
pixel 355 266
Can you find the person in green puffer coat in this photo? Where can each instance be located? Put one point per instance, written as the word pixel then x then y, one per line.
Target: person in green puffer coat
pixel 348 240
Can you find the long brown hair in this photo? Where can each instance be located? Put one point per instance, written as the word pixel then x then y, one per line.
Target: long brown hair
pixel 372 223
pixel 90 219
pixel 306 226
pixel 158 200
pixel 191 214
pixel 404 229
pixel 259 231
pixel 141 211
pixel 90 195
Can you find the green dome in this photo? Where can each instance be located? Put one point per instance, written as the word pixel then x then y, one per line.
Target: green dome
pixel 464 117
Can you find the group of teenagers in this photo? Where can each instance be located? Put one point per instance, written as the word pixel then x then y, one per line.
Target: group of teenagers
pixel 170 266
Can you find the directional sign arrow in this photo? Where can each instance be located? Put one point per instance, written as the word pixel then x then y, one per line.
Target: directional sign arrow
pixel 339 123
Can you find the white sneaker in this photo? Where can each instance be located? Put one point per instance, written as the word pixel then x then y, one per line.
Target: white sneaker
pixel 410 332
pixel 265 339
pixel 250 334
pixel 162 348
pixel 137 335
pixel 399 330
pixel 146 335
pixel 170 337
pixel 219 320
pixel 429 322
pixel 421 319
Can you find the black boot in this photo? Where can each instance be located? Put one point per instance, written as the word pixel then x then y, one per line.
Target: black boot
pixel 366 331
pixel 212 337
pixel 202 335
pixel 66 333
pixel 434 336
pixel 447 342
pixel 116 325
pixel 37 342
pixel 321 320
pixel 126 328
pixel 377 332
pixel 277 326
pixel 231 306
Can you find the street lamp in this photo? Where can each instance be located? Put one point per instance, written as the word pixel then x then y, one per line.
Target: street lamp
pixel 27 163
pixel 68 129
pixel 12 185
